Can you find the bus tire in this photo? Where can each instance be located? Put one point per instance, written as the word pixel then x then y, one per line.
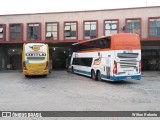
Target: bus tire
pixel 93 75
pixel 44 75
pixel 98 76
pixel 72 70
pixel 27 76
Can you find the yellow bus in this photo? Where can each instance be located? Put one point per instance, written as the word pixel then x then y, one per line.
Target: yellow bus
pixel 35 59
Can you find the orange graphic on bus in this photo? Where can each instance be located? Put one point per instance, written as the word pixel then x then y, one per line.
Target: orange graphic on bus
pixel 98 60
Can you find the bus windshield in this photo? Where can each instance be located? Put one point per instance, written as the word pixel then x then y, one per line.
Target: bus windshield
pixel 33 55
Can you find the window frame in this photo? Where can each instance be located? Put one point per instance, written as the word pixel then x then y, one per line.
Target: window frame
pixel 134 19
pixel 110 20
pixel 57 31
pixel 4 33
pixel 84 28
pixel 76 30
pixel 39 31
pixel 21 31
pixel 150 37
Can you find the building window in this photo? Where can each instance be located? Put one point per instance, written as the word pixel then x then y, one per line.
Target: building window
pixel 90 29
pixel 2 32
pixel 34 31
pixel 133 26
pixel 111 27
pixel 16 31
pixel 52 31
pixel 154 27
pixel 70 30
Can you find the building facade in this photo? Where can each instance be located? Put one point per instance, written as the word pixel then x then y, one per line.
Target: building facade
pixel 61 29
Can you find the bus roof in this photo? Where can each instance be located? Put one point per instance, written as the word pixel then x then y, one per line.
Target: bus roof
pixel 34 43
pixel 126 39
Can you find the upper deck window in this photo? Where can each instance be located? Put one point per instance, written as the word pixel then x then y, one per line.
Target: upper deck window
pixel 101 43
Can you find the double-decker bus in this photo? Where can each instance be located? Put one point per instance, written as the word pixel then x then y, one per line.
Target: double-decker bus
pixel 35 59
pixel 114 58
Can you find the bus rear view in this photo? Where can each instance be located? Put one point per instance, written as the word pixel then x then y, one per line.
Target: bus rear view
pixel 35 59
pixel 126 57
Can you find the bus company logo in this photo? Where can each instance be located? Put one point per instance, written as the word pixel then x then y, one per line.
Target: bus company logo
pixel 36 47
pixel 128 51
pixel 98 60
pixel 36 54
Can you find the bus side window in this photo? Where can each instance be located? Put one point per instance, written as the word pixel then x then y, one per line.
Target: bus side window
pixel 104 43
pixel 107 43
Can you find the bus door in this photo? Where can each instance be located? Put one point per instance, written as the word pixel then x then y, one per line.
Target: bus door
pixel 108 64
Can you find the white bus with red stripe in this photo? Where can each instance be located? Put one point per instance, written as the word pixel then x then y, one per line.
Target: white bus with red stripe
pixel 114 58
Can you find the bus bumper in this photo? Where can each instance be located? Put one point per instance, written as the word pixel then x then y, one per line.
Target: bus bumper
pixel 35 72
pixel 119 78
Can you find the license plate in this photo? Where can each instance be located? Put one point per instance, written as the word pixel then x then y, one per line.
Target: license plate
pixel 127 69
pixel 129 78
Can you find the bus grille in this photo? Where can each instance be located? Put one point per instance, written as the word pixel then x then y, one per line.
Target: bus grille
pixel 128 60
pixel 35 58
pixel 127 63
pixel 127 55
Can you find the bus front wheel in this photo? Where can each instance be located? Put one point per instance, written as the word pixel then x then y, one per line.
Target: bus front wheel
pixel 98 76
pixel 27 76
pixel 93 75
pixel 72 69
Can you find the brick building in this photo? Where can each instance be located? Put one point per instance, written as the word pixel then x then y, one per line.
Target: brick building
pixel 61 29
